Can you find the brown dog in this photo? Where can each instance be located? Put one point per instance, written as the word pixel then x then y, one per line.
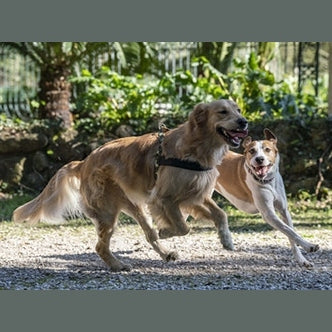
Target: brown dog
pixel 169 175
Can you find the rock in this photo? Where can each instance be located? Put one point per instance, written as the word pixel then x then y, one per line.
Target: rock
pixel 35 180
pixel 11 169
pixel 40 161
pixel 21 142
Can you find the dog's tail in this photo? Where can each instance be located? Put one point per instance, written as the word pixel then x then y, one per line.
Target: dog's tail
pixel 60 198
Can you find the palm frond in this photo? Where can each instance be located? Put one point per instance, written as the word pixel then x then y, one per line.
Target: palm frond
pixel 23 48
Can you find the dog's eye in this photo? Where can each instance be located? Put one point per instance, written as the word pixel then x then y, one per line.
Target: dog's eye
pixel 252 151
pixel 267 150
pixel 223 112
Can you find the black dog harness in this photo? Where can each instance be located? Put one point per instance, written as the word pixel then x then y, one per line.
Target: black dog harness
pixel 160 160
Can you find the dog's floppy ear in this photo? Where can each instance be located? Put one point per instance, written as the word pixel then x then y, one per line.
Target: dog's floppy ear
pixel 199 115
pixel 246 141
pixel 269 135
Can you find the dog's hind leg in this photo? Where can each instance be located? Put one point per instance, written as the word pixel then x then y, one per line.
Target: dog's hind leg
pixel 102 204
pixel 105 224
pixel 211 211
pixel 105 229
pixel 145 221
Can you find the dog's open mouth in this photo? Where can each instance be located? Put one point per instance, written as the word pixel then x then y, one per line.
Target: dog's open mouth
pixel 261 171
pixel 233 137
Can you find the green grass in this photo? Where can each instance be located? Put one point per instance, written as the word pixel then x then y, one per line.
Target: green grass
pixel 9 203
pixel 306 214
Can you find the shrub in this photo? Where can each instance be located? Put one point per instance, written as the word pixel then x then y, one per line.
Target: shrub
pixel 110 99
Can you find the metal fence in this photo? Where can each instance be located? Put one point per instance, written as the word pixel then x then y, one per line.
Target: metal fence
pixel 19 76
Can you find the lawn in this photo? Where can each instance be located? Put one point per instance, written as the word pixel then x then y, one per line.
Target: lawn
pixel 305 213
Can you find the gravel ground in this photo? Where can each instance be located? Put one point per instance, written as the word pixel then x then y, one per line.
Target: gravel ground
pixel 63 257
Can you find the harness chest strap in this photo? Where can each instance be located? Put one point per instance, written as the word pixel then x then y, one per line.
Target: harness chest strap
pixel 160 160
pixel 180 163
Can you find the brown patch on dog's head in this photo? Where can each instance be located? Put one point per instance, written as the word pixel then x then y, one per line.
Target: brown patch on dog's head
pixel 269 136
pixel 246 142
pixel 262 155
pixel 222 117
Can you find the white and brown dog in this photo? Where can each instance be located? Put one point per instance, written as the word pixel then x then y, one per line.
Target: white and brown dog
pixel 253 184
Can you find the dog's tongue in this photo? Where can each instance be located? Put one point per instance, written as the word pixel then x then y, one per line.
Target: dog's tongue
pixel 261 171
pixel 238 134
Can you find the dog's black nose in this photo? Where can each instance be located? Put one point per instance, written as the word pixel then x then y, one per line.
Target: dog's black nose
pixel 243 123
pixel 259 160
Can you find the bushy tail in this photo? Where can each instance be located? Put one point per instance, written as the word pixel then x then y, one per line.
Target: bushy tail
pixel 59 198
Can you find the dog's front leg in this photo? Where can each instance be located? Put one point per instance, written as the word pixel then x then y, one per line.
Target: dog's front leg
pixel 211 211
pixel 143 218
pixel 168 217
pixel 264 203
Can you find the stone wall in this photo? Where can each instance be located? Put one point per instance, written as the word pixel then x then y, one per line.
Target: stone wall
pixel 28 158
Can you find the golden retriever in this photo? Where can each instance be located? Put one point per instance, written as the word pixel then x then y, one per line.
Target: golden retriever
pixel 161 177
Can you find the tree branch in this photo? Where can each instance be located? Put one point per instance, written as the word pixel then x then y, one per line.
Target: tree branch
pixel 320 162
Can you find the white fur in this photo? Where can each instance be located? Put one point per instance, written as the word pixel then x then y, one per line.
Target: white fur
pixel 269 197
pixel 67 203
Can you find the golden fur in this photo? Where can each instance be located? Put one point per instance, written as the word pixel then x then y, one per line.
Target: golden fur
pixel 119 176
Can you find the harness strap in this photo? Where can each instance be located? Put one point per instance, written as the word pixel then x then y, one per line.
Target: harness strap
pixel 180 163
pixel 160 160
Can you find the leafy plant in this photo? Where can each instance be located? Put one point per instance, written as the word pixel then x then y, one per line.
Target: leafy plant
pixel 110 99
pixel 261 97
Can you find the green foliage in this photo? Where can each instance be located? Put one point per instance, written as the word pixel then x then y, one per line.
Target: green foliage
pixel 8 203
pixel 17 124
pixel 219 54
pixel 111 99
pixel 260 96
pixel 308 201
pixel 141 101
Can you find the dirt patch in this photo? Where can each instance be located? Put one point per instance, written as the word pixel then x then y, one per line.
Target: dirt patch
pixel 63 257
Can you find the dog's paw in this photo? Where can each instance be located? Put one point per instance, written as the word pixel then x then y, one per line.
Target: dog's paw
pixel 226 240
pixel 120 267
pixel 172 256
pixel 165 233
pixel 228 246
pixel 314 247
pixel 306 264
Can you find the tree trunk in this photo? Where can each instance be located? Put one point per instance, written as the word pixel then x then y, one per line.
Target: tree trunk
pixel 54 95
